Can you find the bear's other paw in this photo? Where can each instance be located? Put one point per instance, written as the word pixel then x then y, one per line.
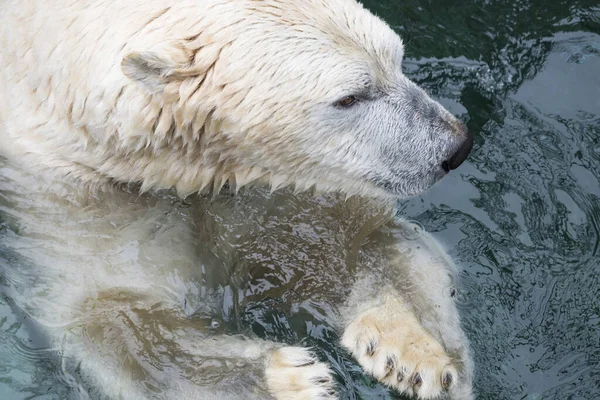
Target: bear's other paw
pixel 392 346
pixel 293 373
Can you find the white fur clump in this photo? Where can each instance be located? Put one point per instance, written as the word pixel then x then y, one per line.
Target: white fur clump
pixel 105 102
pixel 295 374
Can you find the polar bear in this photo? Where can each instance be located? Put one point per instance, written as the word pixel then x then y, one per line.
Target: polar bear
pixel 108 106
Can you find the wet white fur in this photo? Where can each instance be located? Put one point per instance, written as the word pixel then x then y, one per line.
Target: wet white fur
pixel 190 95
pixel 174 94
pixel 295 374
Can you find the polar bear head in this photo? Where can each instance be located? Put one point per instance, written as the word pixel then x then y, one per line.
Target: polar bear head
pixel 303 92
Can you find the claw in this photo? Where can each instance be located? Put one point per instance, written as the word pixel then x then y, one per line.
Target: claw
pixel 447 380
pixel 371 347
pixel 400 376
pixel 321 380
pixel 390 365
pixel 307 363
pixel 417 380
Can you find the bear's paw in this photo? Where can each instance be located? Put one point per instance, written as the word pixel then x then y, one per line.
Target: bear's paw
pixel 391 345
pixel 293 373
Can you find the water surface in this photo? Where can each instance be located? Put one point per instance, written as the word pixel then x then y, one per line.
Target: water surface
pixel 521 218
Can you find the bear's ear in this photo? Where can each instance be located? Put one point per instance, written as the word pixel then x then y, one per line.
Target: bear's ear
pixel 155 68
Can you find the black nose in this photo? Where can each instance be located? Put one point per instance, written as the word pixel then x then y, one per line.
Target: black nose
pixel 463 151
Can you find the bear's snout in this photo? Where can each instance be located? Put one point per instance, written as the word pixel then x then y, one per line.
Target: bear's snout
pixel 463 150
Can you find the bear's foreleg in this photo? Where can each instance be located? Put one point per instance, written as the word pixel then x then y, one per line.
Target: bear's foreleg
pixel 401 322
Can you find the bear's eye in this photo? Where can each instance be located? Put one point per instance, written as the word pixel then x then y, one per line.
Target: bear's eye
pixel 346 101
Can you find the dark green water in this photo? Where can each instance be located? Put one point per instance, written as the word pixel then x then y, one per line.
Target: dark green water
pixel 522 218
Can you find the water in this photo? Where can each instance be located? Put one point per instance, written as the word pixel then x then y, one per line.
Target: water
pixel 521 218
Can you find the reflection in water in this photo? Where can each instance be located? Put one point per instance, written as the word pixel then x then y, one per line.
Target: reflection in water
pixel 522 218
